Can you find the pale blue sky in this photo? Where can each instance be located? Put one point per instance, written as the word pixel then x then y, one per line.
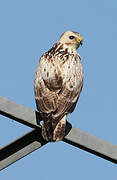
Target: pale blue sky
pixel 28 28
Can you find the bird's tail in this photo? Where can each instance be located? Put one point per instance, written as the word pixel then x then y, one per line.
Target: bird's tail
pixel 52 132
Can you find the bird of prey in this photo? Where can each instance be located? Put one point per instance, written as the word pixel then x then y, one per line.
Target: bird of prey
pixel 57 84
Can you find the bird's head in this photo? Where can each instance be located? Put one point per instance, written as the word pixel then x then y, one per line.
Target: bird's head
pixel 71 39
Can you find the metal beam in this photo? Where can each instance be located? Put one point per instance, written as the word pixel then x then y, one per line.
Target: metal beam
pixel 33 140
pixel 20 148
pixel 19 113
pixel 92 144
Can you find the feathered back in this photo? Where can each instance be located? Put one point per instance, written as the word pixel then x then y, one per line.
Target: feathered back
pixel 58 83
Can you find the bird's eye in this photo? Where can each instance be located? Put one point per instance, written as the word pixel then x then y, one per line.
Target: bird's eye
pixel 71 37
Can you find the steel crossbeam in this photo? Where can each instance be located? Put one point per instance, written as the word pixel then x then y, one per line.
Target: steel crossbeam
pixel 33 139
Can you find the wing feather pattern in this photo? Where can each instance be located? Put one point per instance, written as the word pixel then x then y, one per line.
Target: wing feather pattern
pixel 57 86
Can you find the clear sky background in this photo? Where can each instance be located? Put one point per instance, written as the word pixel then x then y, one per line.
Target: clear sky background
pixel 28 28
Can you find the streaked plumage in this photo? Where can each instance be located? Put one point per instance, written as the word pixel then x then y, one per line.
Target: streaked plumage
pixel 58 83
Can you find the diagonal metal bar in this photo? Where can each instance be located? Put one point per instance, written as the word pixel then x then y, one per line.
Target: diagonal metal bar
pixel 20 148
pixel 73 136
pixel 19 113
pixel 92 144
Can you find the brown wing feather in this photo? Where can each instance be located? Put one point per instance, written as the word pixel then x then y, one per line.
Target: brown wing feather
pixel 46 85
pixel 67 101
pixel 46 100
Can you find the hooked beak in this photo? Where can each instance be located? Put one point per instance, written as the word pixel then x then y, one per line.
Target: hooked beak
pixel 80 40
